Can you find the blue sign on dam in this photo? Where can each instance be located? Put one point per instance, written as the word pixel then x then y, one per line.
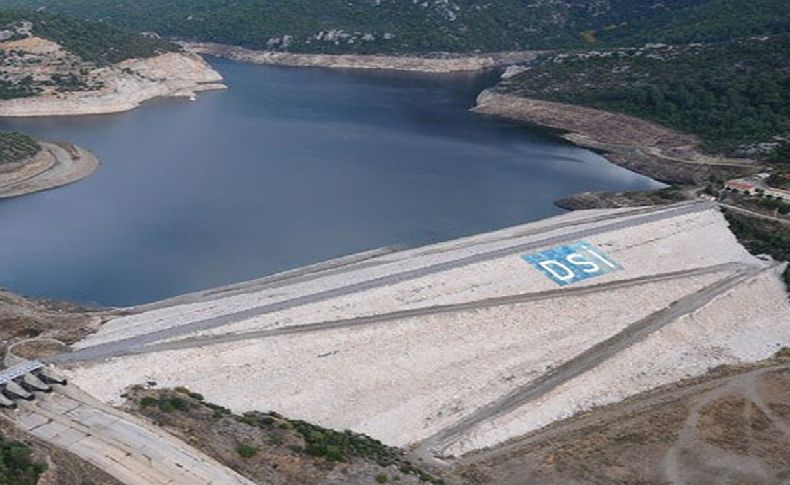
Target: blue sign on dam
pixel 570 264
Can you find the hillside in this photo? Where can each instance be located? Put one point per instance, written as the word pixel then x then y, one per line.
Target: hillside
pixel 734 95
pixel 54 65
pixel 367 26
pixel 94 42
pixel 46 54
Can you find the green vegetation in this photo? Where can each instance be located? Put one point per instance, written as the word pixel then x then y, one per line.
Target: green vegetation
pixel 779 206
pixel 11 90
pixel 461 25
pixel 707 21
pixel 760 236
pixel 782 153
pixel 16 465
pixel 15 147
pixel 246 451
pixel 165 404
pixel 299 437
pixel 336 446
pixel 94 42
pixel 732 94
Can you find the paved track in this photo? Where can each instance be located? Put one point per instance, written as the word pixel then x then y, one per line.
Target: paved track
pixel 434 446
pixel 122 346
pixel 193 342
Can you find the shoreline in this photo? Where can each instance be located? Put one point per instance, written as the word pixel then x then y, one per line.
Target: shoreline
pixel 58 165
pixel 641 146
pixel 440 63
pixel 128 84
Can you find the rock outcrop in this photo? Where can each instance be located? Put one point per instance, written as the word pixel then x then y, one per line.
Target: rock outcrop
pixel 120 87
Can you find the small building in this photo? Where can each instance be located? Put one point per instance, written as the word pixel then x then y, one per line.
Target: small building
pixel 741 186
pixel 756 186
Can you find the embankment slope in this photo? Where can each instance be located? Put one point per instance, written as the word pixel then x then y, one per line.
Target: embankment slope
pixel 463 345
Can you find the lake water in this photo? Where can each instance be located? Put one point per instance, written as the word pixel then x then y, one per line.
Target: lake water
pixel 286 168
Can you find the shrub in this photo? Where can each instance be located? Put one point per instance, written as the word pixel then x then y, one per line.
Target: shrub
pixel 172 404
pixel 246 451
pixel 16 465
pixel 246 419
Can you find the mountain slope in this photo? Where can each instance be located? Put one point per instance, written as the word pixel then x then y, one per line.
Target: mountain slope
pixel 732 94
pixel 94 42
pixel 367 26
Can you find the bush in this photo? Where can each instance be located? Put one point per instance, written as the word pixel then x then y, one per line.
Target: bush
pixel 217 408
pixel 246 419
pixel 172 404
pixel 148 402
pixel 16 466
pixel 246 451
pixel 382 478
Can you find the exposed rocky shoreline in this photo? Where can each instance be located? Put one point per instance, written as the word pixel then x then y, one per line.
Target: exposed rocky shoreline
pixel 125 86
pixel 57 164
pixel 627 141
pixel 435 63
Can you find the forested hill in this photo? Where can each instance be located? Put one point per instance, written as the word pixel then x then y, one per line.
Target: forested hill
pixel 94 42
pixel 735 95
pixel 367 26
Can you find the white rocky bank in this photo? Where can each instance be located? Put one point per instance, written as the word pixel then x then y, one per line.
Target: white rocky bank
pixel 436 63
pixel 126 85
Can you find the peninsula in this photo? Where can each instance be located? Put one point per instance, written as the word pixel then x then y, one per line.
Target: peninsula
pixel 28 166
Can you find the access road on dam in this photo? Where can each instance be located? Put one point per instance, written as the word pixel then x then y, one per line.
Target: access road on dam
pixel 124 346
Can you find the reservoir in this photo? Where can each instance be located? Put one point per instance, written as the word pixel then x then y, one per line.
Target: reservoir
pixel 286 168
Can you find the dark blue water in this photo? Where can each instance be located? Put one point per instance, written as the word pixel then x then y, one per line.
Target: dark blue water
pixel 286 168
